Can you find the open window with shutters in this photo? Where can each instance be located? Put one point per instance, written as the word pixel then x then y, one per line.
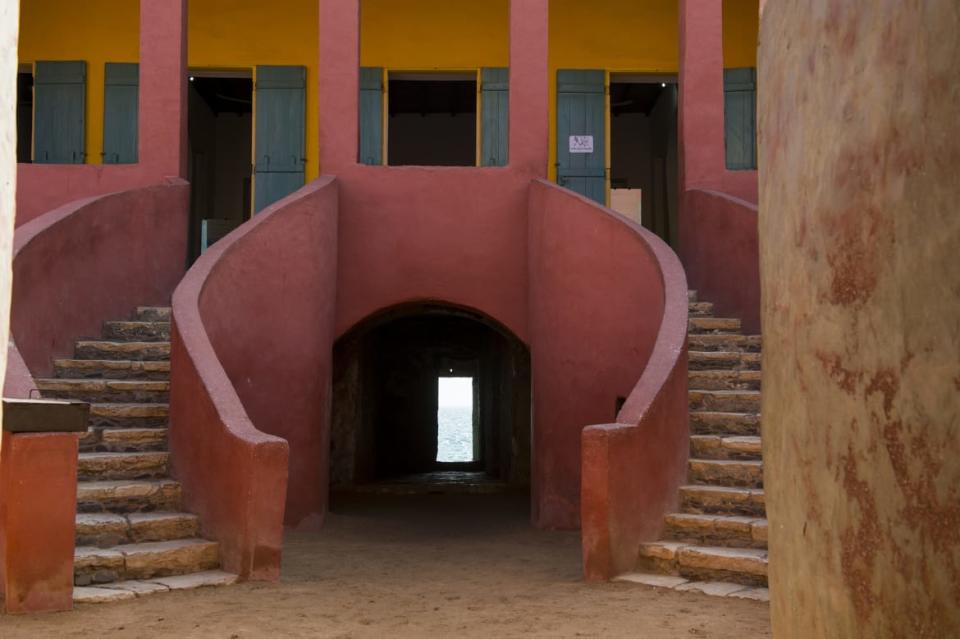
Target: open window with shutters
pixel 59 112
pixel 740 118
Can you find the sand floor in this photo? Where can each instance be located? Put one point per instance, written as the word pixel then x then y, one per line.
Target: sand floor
pixel 417 566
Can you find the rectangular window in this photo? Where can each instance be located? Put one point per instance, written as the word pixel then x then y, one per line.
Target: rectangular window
pixel 24 116
pixel 455 427
pixel 740 114
pixel 59 112
pixel 432 119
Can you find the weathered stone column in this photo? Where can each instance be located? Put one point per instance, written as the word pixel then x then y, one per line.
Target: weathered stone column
pixel 860 251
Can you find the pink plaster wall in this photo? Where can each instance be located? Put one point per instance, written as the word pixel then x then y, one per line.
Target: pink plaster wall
pixel 250 395
pixel 162 124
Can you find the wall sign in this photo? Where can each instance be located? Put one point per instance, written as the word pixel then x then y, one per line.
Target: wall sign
pixel 581 144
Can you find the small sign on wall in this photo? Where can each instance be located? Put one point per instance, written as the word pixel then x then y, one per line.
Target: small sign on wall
pixel 581 144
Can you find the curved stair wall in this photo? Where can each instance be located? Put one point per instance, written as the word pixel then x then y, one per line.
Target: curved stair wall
pixel 87 261
pixel 608 307
pixel 252 335
pixel 720 249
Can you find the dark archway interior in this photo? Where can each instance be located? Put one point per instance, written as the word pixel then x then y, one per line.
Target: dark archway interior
pixel 386 372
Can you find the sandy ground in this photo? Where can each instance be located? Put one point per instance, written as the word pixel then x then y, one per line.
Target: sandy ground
pixel 424 566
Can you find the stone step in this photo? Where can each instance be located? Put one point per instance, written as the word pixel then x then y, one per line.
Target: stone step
pixel 712 588
pixel 724 380
pixel 691 296
pixel 92 565
pixel 137 415
pixel 713 325
pixel 718 447
pixel 139 465
pixel 108 349
pixel 725 472
pixel 123 440
pixel 723 342
pixel 722 500
pixel 732 531
pixel 152 314
pixel 726 360
pixel 723 423
pixel 112 369
pixel 110 529
pixel 128 496
pixel 105 390
pixel 746 566
pixel 136 331
pixel 131 589
pixel 732 401
pixel 700 309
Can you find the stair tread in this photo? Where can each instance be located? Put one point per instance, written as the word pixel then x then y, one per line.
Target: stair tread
pixel 728 462
pixel 731 490
pixel 95 383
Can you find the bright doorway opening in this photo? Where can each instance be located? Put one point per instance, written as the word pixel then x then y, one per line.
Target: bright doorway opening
pixel 455 420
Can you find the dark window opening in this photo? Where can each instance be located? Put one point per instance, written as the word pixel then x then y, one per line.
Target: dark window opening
pixel 432 122
pixel 24 117
pixel 221 139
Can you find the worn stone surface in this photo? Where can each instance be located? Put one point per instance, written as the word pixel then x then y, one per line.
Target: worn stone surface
pixel 87 595
pixel 170 558
pixel 657 581
pixel 197 580
pixel 131 439
pixel 101 529
pixel 730 401
pixel 713 530
pixel 111 369
pixel 152 313
pixel 724 342
pixel 137 331
pixel 713 588
pixel 128 495
pixel 104 466
pixel 722 499
pixel 725 379
pixel 756 594
pixel 105 349
pixel 126 415
pixel 727 472
pixel 162 526
pixel 712 422
pixel 714 324
pixel 859 155
pixel 138 588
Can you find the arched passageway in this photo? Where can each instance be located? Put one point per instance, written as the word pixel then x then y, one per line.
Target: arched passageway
pixel 395 419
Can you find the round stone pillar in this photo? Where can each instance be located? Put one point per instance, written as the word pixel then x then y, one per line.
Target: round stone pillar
pixel 859 117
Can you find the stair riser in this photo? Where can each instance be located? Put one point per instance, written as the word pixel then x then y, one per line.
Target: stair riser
pixel 744 476
pixel 144 566
pixel 704 574
pixel 749 574
pixel 722 360
pixel 716 325
pixel 114 534
pixel 138 472
pixel 724 403
pixel 153 373
pixel 707 450
pixel 95 440
pixel 152 314
pixel 111 395
pixel 166 499
pixel 700 309
pixel 707 342
pixel 118 351
pixel 137 331
pixel 753 507
pixel 729 381
pixel 731 538
pixel 731 424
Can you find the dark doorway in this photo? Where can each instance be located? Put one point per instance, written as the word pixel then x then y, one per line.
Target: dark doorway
pixel 25 116
pixel 433 120
pixel 643 153
pixel 220 134
pixel 388 410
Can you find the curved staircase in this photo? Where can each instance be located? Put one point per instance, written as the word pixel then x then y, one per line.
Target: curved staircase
pixel 132 536
pixel 717 543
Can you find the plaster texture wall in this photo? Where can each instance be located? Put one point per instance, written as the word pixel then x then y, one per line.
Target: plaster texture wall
pixel 861 361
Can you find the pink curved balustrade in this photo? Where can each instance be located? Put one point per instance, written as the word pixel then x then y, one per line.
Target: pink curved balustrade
pixel 252 330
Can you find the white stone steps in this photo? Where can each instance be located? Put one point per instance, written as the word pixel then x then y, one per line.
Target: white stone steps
pixel 92 565
pixel 121 350
pixel 112 369
pixel 126 590
pixel 128 495
pixel 111 466
pixel 712 588
pixel 717 530
pixel 731 500
pixel 720 447
pixel 111 529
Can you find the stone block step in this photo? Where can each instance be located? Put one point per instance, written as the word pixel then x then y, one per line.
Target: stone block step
pixel 111 369
pixel 700 309
pixel 136 331
pixel 726 360
pixel 691 296
pixel 128 496
pixel 106 390
pixel 729 500
pixel 724 472
pixel 724 380
pixel 732 401
pixel 138 465
pixel 123 440
pixel 735 531
pixel 108 349
pixel 713 325
pixel 723 423
pixel 131 589
pixel 719 447
pixel 92 565
pixel 723 342
pixel 135 415
pixel 110 529
pixel 746 566
pixel 712 588
pixel 152 314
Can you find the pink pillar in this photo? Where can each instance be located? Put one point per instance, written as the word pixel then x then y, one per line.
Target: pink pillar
pixel 702 156
pixel 339 84
pixel 529 86
pixel 163 86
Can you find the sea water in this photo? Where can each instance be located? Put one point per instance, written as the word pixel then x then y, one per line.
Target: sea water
pixel 455 434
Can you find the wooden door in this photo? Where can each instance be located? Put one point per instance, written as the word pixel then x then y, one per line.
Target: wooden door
pixel 581 117
pixel 279 125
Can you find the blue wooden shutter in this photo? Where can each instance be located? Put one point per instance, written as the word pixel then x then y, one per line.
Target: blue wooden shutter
pixel 740 118
pixel 279 125
pixel 495 116
pixel 371 115
pixel 59 108
pixel 120 101
pixel 581 112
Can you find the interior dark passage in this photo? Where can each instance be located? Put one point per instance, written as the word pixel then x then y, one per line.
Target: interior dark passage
pixel 387 374
pixel 24 116
pixel 220 138
pixel 643 154
pixel 432 120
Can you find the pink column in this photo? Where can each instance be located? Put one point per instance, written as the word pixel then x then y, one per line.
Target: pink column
pixel 529 86
pixel 702 163
pixel 339 84
pixel 163 86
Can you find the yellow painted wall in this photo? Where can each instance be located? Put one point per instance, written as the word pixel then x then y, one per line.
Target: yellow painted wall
pixel 97 31
pixel 741 25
